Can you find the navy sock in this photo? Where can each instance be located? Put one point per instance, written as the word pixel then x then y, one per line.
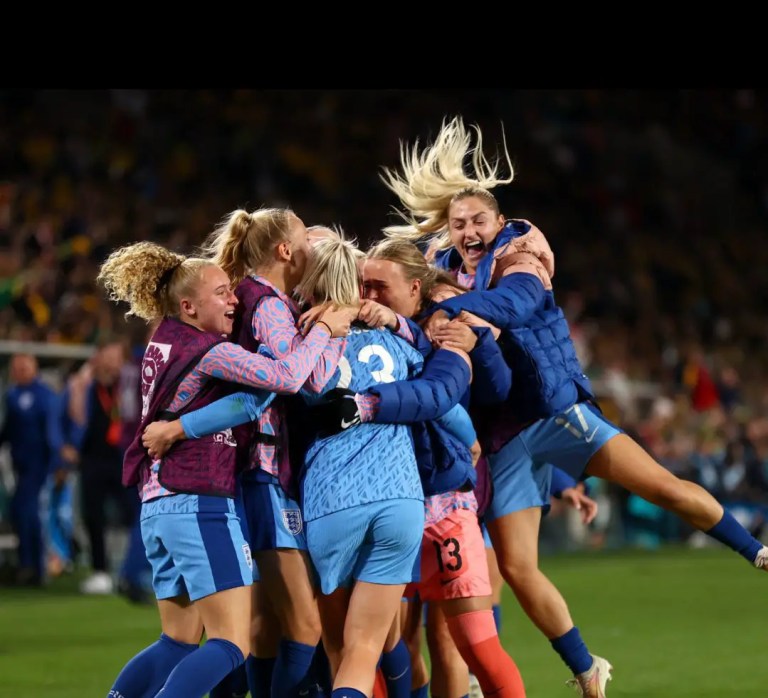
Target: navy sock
pixel 144 675
pixel 497 616
pixel 573 651
pixel 321 670
pixel 233 685
pixel 316 691
pixel 396 666
pixel 200 671
pixel 422 692
pixel 292 668
pixel 259 672
pixel 735 536
pixel 347 693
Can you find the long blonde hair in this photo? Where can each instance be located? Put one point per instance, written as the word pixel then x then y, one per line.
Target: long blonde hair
pixel 332 272
pixel 150 278
pixel 433 178
pixel 243 242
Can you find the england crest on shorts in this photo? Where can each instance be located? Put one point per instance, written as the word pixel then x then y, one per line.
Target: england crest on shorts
pixel 292 521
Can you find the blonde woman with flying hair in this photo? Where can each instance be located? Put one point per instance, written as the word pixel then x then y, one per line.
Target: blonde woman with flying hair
pixel 192 535
pixel 397 275
pixel 552 415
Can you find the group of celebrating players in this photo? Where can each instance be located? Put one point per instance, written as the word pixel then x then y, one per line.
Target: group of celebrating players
pixel 327 434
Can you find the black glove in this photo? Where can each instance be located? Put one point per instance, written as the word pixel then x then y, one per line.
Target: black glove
pixel 337 412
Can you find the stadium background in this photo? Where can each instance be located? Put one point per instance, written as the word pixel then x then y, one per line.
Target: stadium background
pixel 656 205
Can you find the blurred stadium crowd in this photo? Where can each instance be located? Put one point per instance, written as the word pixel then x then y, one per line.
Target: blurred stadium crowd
pixel 655 202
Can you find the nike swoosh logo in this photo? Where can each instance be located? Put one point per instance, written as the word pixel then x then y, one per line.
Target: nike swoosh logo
pixel 400 676
pixel 345 424
pixel 589 438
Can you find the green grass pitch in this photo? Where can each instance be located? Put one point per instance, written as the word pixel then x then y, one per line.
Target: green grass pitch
pixel 675 624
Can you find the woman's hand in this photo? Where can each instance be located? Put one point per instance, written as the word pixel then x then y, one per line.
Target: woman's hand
pixel 158 437
pixel 434 321
pixel 455 334
pixel 475 321
pixel 586 506
pixel 311 316
pixel 375 314
pixel 339 319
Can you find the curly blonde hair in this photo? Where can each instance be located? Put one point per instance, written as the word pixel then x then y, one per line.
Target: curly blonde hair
pixel 150 278
pixel 433 178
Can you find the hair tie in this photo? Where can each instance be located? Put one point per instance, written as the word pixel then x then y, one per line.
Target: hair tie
pixel 165 279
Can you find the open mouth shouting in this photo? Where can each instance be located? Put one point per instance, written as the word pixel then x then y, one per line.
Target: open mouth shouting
pixel 474 251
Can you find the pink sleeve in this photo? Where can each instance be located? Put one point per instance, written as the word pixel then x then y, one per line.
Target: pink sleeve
pixel 403 330
pixel 273 325
pixel 230 362
pixel 367 405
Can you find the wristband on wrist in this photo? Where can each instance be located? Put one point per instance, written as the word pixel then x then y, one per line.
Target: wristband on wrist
pixel 323 322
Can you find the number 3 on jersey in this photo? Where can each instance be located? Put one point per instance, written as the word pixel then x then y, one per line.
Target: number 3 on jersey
pixel 380 375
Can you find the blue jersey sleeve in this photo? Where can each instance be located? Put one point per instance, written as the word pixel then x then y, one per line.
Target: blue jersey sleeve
pixel 228 412
pixel 458 422
pixel 508 305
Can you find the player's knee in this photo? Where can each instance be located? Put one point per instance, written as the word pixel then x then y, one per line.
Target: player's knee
pixel 519 570
pixel 413 644
pixel 243 642
pixel 265 636
pixel 304 627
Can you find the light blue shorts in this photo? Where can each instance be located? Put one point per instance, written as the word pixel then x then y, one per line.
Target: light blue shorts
pixel 377 542
pixel 522 469
pixel 195 545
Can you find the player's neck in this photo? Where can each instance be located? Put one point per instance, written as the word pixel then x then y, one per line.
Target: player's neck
pixel 276 275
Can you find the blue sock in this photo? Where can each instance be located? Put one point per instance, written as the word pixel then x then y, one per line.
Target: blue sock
pixel 259 672
pixel 347 693
pixel 292 668
pixel 233 685
pixel 735 536
pixel 422 692
pixel 573 651
pixel 145 674
pixel 497 616
pixel 396 666
pixel 201 670
pixel 321 670
pixel 316 691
